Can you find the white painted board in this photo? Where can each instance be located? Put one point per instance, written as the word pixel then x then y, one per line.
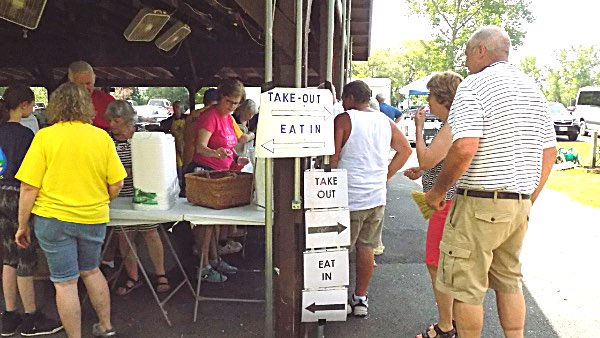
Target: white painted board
pixel 327 304
pixel 325 189
pixel 326 268
pixel 327 228
pixel 295 122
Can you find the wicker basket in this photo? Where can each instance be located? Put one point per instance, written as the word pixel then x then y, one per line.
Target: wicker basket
pixel 219 189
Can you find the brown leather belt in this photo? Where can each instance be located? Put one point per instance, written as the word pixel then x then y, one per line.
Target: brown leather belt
pixel 492 194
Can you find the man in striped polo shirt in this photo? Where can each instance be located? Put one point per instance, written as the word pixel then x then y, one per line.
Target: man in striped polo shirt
pixel 502 152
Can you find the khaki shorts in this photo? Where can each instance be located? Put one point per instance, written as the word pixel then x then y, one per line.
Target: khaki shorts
pixel 365 227
pixel 480 247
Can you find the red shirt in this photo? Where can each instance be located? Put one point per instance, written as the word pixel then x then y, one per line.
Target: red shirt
pixel 223 136
pixel 101 100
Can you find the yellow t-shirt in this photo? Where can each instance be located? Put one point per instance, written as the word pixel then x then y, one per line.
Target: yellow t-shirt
pixel 236 129
pixel 72 163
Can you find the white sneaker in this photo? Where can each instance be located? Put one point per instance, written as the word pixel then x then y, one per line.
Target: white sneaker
pixel 360 306
pixel 229 248
pixel 378 251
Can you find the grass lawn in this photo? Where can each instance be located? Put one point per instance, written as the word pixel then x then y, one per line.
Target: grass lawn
pixel 576 183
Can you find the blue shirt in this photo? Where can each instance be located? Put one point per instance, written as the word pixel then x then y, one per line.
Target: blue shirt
pixel 389 111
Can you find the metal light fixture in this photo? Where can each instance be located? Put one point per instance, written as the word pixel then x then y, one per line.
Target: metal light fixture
pixel 26 13
pixel 146 25
pixel 173 36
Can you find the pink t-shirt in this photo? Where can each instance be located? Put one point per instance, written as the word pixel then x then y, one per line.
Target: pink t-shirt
pixel 223 136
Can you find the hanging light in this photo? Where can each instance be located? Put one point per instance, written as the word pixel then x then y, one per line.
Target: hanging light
pixel 173 36
pixel 146 25
pixel 26 13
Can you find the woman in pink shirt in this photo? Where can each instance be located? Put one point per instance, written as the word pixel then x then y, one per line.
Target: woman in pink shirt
pixel 215 142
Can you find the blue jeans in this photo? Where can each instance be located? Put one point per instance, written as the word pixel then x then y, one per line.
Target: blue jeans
pixel 69 247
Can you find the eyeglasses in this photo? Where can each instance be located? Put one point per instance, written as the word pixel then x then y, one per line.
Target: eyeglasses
pixel 231 102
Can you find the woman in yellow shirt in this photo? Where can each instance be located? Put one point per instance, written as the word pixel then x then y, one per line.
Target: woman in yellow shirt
pixel 68 177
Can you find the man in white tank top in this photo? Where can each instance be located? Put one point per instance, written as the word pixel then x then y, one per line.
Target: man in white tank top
pixel 362 142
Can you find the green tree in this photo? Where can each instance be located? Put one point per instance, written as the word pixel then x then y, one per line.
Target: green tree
pixel 529 66
pixel 41 94
pixel 455 20
pixel 138 96
pixel 577 67
pixel 414 60
pixel 170 93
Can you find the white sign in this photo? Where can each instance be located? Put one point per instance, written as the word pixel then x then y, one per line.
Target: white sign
pixel 295 122
pixel 327 304
pixel 323 269
pixel 325 189
pixel 327 228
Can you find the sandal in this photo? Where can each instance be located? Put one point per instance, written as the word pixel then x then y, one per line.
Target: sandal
pixel 438 332
pixel 130 285
pixel 162 287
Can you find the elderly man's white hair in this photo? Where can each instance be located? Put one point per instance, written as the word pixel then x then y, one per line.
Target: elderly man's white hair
pixel 493 38
pixel 79 67
pixel 380 97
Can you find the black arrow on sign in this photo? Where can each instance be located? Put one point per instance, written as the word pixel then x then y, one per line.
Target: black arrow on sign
pixel 327 228
pixel 325 307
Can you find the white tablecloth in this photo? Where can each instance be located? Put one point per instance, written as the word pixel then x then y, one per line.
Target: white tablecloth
pixel 122 213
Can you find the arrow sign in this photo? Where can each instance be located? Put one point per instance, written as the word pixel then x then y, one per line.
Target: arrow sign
pixel 320 229
pixel 325 307
pixel 295 122
pixel 271 145
pixel 339 228
pixel 328 304
pixel 325 113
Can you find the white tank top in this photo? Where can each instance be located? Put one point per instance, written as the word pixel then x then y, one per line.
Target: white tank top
pixel 365 157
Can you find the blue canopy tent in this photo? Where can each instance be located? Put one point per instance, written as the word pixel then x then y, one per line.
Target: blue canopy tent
pixel 417 87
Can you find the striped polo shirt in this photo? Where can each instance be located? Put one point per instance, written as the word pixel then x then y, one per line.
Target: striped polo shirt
pixel 506 110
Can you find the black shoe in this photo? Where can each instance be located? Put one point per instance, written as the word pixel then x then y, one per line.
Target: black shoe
pixel 37 324
pixel 10 323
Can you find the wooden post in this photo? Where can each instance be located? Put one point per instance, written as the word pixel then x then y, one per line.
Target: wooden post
pixel 594 148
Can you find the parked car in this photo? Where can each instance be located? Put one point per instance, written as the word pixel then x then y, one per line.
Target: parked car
pixel 163 103
pixel 564 122
pixel 155 111
pixel 407 125
pixel 587 109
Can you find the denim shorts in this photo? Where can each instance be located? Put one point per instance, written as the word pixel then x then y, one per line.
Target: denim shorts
pixel 69 247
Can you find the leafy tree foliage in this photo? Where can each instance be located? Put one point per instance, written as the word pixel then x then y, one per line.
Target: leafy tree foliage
pixel 529 66
pixel 413 61
pixel 171 93
pixel 455 20
pixel 578 67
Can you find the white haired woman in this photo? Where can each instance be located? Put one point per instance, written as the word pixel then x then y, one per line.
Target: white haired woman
pixel 121 117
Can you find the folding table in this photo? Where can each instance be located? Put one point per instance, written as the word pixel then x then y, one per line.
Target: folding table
pixel 244 215
pixel 123 215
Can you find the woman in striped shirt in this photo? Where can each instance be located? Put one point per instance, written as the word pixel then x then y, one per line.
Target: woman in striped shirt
pixel 442 88
pixel 122 118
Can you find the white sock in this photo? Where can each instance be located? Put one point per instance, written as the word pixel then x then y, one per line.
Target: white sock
pixel 359 297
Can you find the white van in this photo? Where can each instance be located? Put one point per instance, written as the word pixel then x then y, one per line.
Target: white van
pixel 587 109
